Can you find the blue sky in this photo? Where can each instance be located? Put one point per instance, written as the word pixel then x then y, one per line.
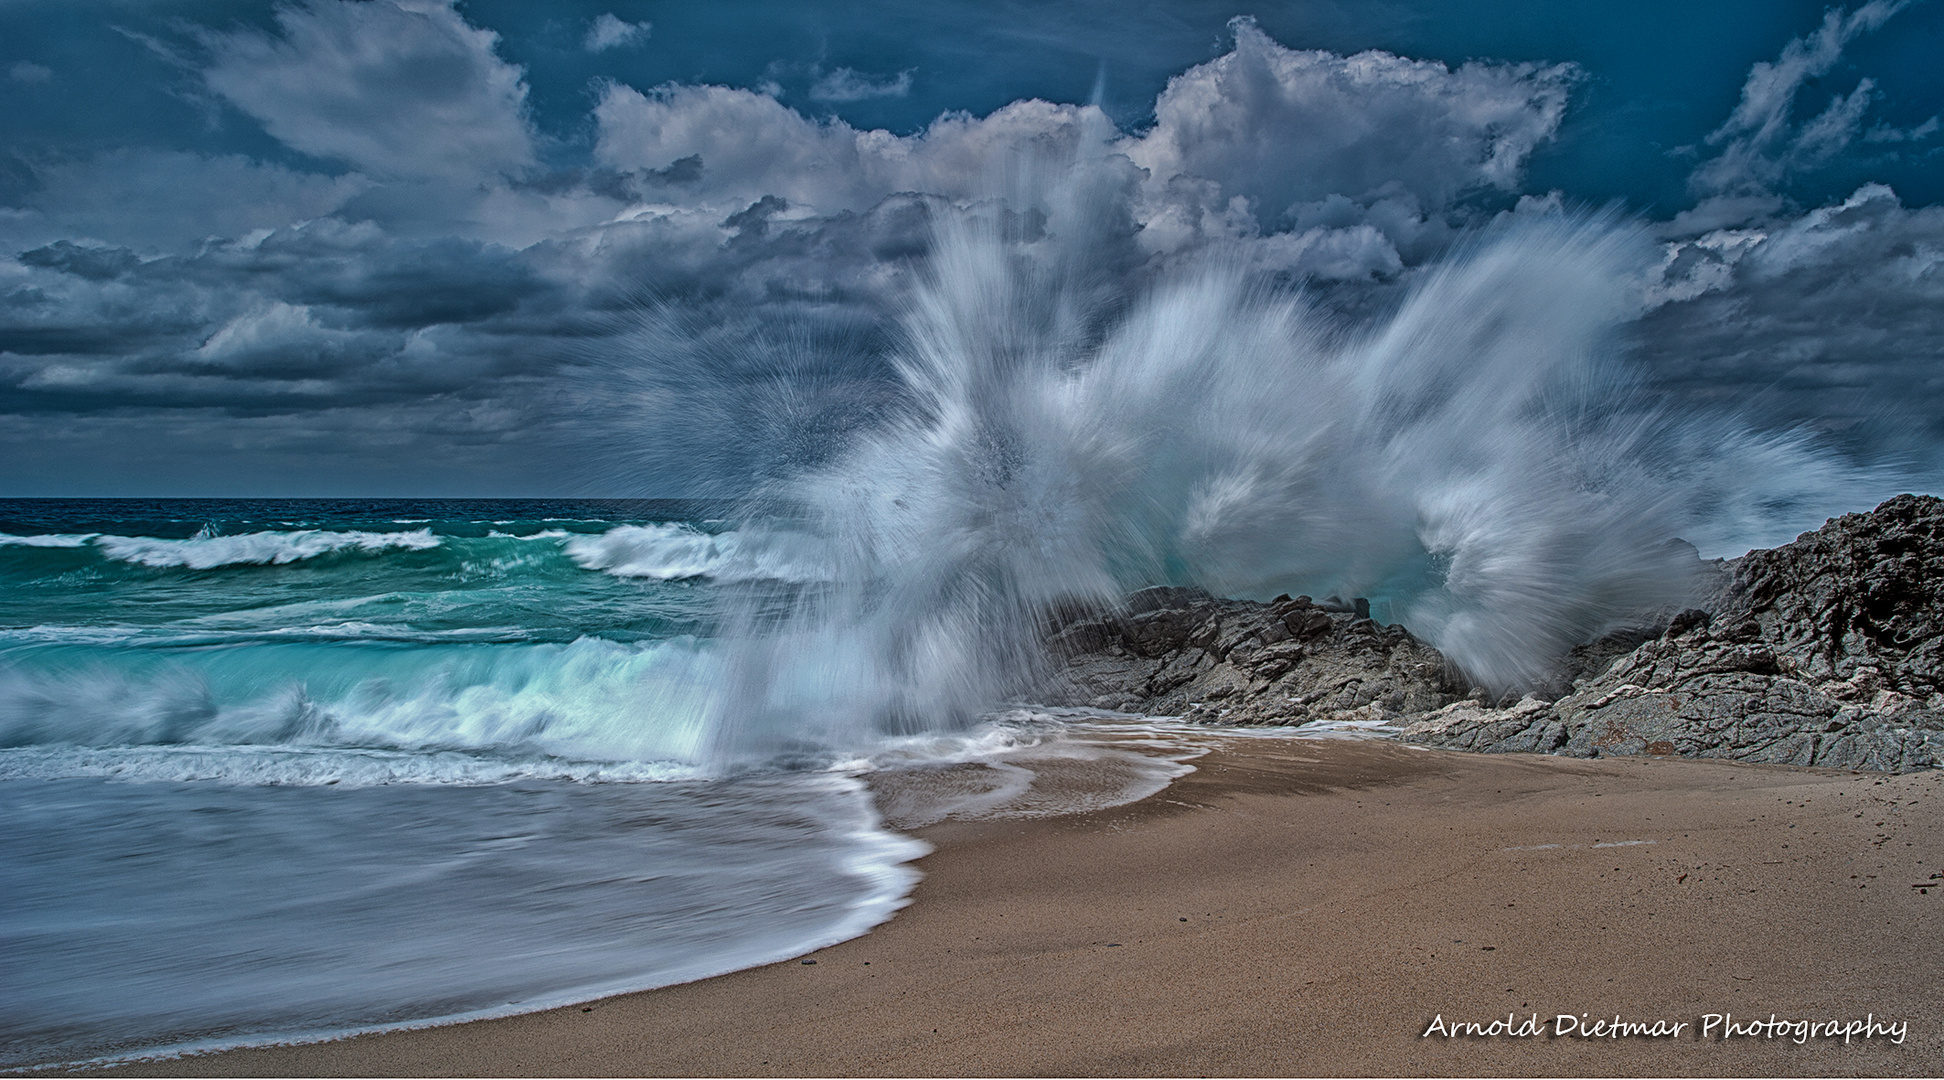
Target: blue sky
pixel 413 248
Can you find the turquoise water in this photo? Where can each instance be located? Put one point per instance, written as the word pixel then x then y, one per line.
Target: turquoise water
pixel 285 769
pixel 523 628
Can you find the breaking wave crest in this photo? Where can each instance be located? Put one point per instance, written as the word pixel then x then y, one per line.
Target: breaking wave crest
pixel 676 551
pixel 660 552
pixel 587 701
pixel 251 549
pixel 44 541
pixel 206 551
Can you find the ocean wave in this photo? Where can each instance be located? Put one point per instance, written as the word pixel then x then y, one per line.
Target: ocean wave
pixel 675 552
pixel 69 635
pixel 53 540
pixel 192 635
pixel 587 700
pixel 256 549
pixel 370 631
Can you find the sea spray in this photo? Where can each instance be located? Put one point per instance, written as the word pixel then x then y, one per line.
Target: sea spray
pixel 1480 461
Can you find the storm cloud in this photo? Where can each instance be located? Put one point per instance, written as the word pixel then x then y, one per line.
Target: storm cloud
pixel 401 273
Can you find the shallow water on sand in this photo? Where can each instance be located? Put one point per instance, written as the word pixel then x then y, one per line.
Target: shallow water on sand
pixel 162 915
pixel 181 914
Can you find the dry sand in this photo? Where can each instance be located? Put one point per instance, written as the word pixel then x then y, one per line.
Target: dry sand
pixel 1309 908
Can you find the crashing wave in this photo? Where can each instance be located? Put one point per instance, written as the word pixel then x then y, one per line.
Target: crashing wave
pixel 675 552
pixel 1480 462
pixel 51 540
pixel 589 700
pixel 256 549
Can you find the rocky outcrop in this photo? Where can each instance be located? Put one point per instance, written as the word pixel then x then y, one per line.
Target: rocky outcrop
pixel 1704 689
pixel 1860 598
pixel 1828 651
pixel 1182 652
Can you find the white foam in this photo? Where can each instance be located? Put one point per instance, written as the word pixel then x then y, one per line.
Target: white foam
pixel 586 700
pixel 301 766
pixel 1030 762
pixel 258 548
pixel 370 631
pixel 51 540
pixel 1345 729
pixel 674 552
pixel 68 635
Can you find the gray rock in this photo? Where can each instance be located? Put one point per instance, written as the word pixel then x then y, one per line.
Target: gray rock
pixel 1828 651
pixel 1822 652
pixel 1864 591
pixel 1236 661
pixel 1160 632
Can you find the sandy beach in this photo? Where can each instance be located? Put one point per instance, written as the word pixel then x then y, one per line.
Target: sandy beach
pixel 1311 908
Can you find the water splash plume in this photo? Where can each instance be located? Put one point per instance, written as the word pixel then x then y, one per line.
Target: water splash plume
pixel 1480 462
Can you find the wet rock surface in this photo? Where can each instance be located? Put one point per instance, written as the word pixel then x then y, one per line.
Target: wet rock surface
pixel 1182 652
pixel 1828 651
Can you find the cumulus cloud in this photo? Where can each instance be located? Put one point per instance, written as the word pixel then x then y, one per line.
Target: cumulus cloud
pixel 394 88
pixel 611 32
pixel 745 144
pixel 285 340
pixel 748 145
pixel 1358 158
pixel 1285 128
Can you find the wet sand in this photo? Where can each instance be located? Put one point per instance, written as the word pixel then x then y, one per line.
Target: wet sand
pixel 1309 908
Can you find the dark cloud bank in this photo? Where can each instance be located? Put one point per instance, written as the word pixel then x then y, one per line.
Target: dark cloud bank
pixel 422 292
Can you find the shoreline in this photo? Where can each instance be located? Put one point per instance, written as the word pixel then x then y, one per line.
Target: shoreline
pixel 1312 907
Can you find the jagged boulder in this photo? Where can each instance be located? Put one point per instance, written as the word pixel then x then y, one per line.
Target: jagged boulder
pixel 1697 693
pixel 1864 592
pixel 1821 652
pixel 1241 662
